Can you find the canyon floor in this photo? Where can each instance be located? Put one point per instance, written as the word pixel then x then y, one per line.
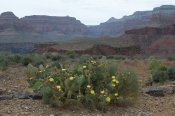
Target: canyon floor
pixel 14 79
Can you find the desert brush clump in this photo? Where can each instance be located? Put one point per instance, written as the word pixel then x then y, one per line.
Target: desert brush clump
pixel 94 84
pixel 161 72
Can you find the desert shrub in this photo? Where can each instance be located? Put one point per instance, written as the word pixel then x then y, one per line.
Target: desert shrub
pixel 155 63
pixel 8 58
pixel 93 84
pixel 129 85
pixel 160 76
pixel 56 64
pixel 13 58
pixel 38 59
pixel 3 64
pixel 35 59
pixel 171 73
pixel 159 70
pixel 120 57
pixel 56 57
pixel 172 58
pixel 26 60
pixel 71 54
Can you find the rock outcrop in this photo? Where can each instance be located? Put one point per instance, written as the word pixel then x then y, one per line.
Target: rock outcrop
pixel 154 40
pixel 158 17
pixel 64 25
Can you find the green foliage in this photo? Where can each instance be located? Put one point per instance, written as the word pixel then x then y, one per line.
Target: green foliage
pixel 160 76
pixel 171 73
pixel 129 85
pixel 155 63
pixel 160 72
pixel 8 58
pixel 3 64
pixel 35 59
pixel 71 54
pixel 117 57
pixel 26 60
pixel 94 84
pixel 56 57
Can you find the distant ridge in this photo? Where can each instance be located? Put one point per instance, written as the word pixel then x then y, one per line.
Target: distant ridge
pixel 37 28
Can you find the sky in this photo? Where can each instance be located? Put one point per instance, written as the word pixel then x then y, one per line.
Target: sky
pixel 89 12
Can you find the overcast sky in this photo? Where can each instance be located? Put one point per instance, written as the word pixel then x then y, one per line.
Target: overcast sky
pixel 90 12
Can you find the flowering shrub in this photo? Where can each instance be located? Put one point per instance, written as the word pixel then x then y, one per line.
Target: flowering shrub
pixel 94 84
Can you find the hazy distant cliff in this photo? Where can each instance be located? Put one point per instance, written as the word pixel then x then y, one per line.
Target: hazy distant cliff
pixel 52 28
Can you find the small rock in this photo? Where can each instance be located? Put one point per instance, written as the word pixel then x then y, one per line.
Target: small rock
pixel 28 94
pixel 2 91
pixel 25 107
pixel 51 115
pixel 170 89
pixel 148 82
pixel 24 113
pixel 154 91
pixel 6 97
pixel 9 111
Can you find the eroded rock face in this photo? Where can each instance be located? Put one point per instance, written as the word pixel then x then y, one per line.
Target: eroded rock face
pixel 160 16
pixel 65 25
pixel 41 24
pixel 169 30
pixel 8 17
pixel 154 40
pixel 7 21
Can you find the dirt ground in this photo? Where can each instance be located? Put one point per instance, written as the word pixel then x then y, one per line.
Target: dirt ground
pixel 14 79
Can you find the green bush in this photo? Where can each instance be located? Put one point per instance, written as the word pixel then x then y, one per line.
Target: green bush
pixel 94 84
pixel 71 54
pixel 129 85
pixel 3 64
pixel 26 60
pixel 171 73
pixel 160 76
pixel 38 59
pixel 56 57
pixel 155 63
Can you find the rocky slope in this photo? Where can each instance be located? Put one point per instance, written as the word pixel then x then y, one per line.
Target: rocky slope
pixel 154 40
pixel 160 16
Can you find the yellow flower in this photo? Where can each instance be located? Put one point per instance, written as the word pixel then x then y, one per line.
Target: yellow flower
pixel 30 78
pixel 92 92
pixel 88 86
pixel 84 67
pixel 113 80
pixel 117 82
pixel 51 79
pixel 58 87
pixel 71 78
pixel 102 92
pixel 108 99
pixel 116 94
pixel 63 69
pixel 113 77
pixel 113 84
